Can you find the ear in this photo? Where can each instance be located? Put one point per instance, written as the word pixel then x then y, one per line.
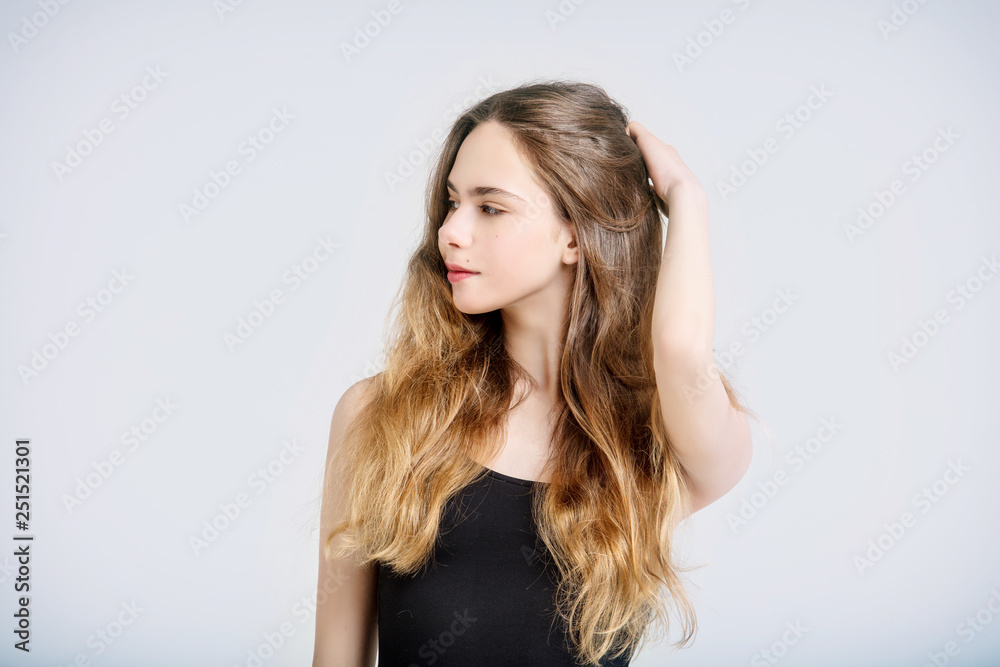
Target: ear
pixel 571 251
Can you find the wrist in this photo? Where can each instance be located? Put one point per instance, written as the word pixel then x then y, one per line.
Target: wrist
pixel 686 191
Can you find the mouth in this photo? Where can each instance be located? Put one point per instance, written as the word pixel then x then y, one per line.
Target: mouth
pixel 455 276
pixel 459 268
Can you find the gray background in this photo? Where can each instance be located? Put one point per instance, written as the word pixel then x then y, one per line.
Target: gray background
pixel 324 175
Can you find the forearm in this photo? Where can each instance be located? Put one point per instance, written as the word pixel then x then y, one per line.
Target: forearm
pixel 684 306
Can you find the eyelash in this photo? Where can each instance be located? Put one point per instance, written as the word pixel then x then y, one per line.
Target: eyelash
pixel 449 202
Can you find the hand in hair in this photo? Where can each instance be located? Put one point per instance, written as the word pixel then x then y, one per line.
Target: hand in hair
pixel 668 172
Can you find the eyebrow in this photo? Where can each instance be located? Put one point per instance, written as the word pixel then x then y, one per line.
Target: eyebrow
pixel 487 190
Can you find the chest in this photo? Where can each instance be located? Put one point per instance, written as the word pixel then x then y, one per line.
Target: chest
pixel 527 445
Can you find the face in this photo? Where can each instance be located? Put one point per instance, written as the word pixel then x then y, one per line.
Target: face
pixel 502 225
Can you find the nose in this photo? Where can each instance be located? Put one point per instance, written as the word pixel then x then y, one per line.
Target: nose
pixel 456 229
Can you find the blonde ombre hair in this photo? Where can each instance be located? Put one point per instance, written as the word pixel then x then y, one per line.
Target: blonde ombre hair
pixel 616 491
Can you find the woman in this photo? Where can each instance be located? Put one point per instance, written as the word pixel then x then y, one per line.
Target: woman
pixel 505 492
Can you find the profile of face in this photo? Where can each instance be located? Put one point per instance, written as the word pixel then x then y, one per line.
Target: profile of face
pixel 502 225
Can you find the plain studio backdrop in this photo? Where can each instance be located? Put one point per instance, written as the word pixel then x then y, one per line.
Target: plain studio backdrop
pixel 207 208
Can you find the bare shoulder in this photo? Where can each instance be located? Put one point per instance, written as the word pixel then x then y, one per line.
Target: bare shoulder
pixel 359 392
pixel 350 404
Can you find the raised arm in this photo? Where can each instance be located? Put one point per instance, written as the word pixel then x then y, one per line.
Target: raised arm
pixel 711 438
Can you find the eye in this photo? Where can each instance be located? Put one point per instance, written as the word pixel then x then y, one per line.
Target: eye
pixel 490 211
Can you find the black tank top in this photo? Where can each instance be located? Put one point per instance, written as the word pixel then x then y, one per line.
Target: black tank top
pixel 487 596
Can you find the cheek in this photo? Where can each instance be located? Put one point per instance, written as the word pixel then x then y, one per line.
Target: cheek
pixel 500 250
pixel 523 258
pixel 512 254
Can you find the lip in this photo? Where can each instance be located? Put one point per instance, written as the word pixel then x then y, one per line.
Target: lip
pixel 455 276
pixel 457 268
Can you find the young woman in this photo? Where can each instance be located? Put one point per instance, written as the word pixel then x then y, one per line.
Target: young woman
pixel 506 491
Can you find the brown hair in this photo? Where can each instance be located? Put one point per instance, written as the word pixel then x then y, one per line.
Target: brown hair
pixel 617 490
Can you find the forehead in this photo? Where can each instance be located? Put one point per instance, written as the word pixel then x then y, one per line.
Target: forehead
pixel 487 157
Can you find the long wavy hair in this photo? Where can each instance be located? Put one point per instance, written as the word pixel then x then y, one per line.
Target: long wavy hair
pixel 616 490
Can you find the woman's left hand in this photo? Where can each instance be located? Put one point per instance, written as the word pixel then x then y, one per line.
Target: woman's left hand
pixel 669 173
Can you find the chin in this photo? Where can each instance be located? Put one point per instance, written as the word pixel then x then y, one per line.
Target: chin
pixel 472 310
pixel 470 307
